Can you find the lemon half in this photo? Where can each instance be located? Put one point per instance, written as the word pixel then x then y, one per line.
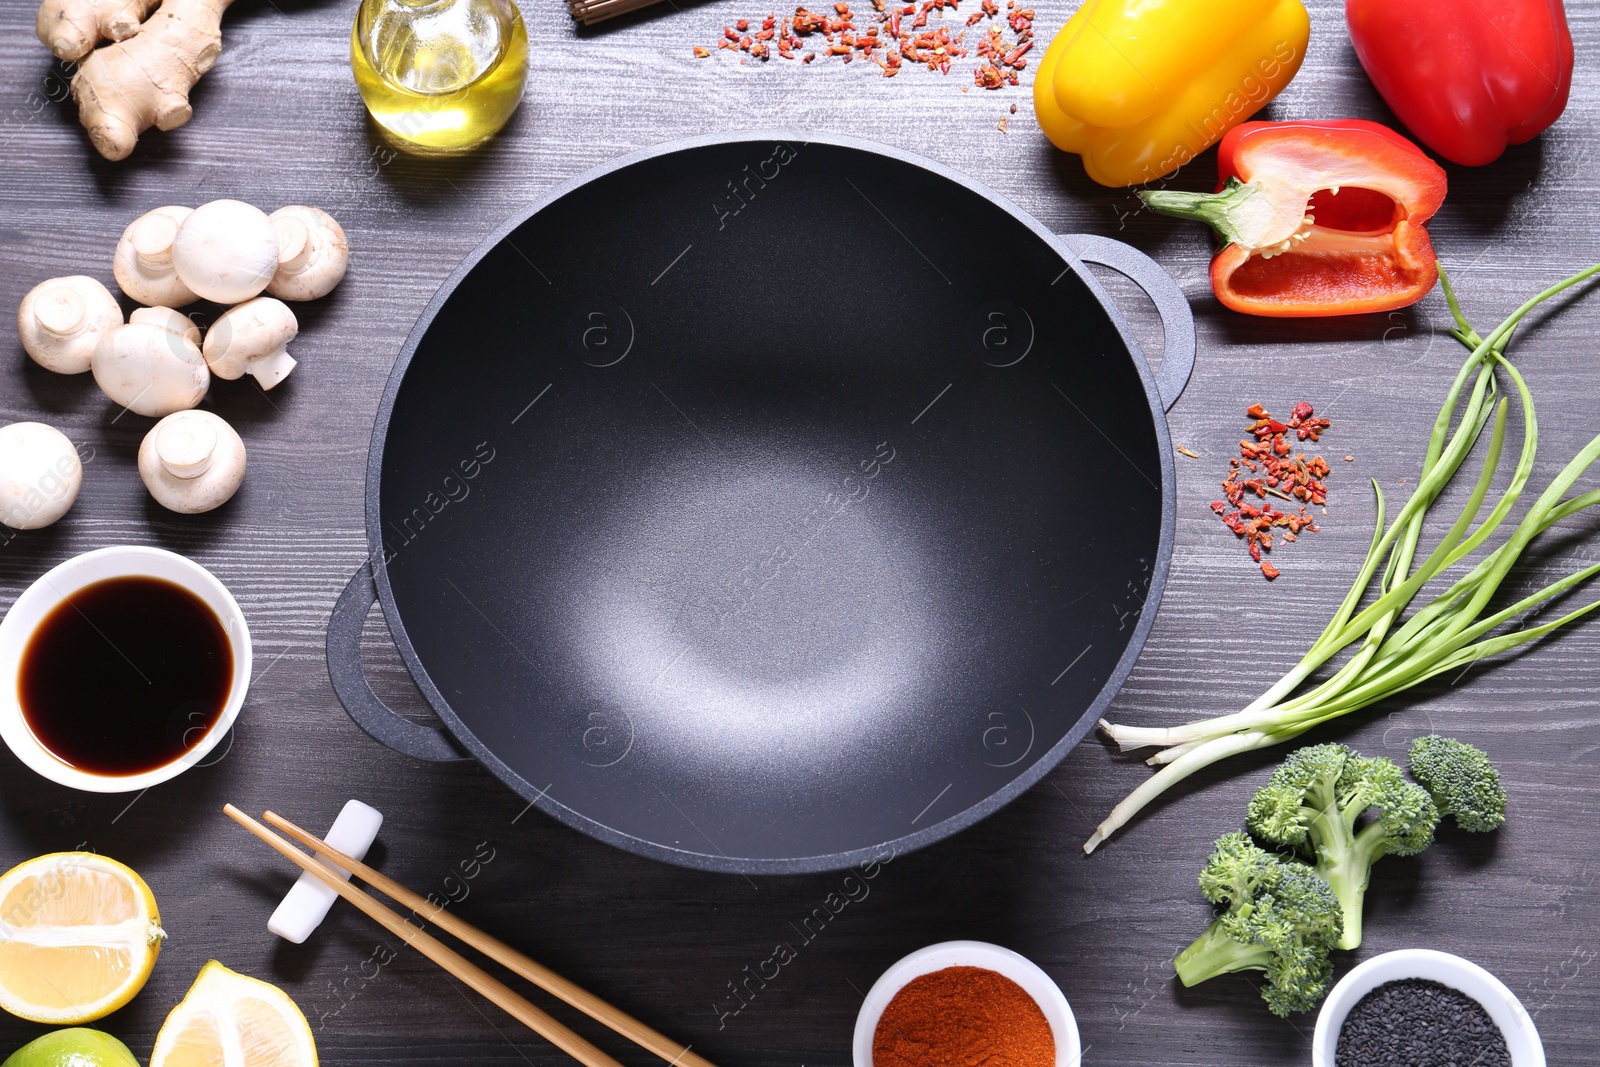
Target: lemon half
pixel 79 935
pixel 231 1020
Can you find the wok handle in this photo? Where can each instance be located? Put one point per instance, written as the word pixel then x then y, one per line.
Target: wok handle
pixel 1177 321
pixel 350 681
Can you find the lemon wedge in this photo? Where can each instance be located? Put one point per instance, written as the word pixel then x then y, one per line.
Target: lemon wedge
pixel 79 935
pixel 231 1020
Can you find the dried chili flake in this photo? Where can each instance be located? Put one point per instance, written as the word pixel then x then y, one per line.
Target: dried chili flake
pixel 1267 452
pixel 936 47
pixel 701 52
pixel 1304 425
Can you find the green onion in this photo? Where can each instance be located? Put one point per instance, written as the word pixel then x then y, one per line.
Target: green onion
pixel 1447 633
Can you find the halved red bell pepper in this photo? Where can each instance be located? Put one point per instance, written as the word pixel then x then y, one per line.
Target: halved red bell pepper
pixel 1467 77
pixel 1317 218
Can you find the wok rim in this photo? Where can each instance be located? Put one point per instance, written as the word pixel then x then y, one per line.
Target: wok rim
pixel 683 857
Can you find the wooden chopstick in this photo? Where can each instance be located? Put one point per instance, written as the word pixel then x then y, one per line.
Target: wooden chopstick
pixel 501 953
pixel 498 992
pixel 590 12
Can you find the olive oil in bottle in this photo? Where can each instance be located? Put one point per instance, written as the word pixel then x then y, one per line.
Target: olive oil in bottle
pixel 439 76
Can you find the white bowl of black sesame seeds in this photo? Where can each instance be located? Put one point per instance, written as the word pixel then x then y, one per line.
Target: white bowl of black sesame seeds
pixel 1423 1008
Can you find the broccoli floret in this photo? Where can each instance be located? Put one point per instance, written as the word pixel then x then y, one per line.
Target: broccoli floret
pixel 1313 802
pixel 1461 781
pixel 1281 919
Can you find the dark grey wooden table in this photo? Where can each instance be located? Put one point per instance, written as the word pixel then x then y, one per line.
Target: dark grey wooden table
pixel 278 121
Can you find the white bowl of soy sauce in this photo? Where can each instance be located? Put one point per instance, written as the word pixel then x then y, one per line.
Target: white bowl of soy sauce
pixel 1462 976
pixel 122 668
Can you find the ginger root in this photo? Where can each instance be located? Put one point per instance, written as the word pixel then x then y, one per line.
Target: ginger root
pixel 144 80
pixel 70 28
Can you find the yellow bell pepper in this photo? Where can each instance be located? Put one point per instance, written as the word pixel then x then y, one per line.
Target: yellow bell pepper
pixel 1140 87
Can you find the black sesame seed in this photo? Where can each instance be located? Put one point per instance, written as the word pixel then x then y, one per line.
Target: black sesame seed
pixel 1418 1023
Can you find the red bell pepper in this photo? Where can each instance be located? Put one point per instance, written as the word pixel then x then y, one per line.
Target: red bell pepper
pixel 1317 218
pixel 1467 77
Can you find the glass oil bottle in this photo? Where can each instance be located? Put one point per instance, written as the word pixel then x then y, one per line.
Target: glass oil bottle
pixel 439 76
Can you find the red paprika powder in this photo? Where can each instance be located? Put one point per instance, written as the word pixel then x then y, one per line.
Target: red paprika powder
pixel 963 1017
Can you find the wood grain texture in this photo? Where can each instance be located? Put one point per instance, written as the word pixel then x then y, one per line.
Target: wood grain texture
pixel 278 121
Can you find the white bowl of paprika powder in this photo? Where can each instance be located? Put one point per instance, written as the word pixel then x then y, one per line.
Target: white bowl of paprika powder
pixel 966 1003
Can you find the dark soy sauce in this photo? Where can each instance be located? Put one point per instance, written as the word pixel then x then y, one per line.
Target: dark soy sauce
pixel 125 676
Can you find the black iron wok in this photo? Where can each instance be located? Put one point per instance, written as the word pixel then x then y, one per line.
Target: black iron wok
pixel 762 504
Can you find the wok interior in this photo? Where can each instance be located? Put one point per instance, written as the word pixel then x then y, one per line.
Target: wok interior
pixel 772 533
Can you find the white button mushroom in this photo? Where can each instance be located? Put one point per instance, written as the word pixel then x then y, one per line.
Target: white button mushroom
pixel 226 251
pixel 61 320
pixel 313 253
pixel 143 260
pixel 192 461
pixel 40 475
pixel 168 319
pixel 152 366
pixel 253 339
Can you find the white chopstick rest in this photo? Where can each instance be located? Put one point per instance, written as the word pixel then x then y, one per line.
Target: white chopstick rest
pixel 309 899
